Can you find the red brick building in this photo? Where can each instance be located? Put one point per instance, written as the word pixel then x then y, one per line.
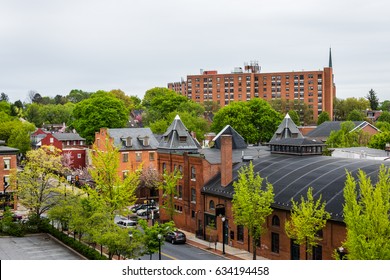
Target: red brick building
pixel 137 148
pixel 315 88
pixel 206 188
pixel 8 162
pixel 69 143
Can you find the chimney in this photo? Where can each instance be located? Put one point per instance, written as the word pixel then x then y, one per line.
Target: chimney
pixel 226 160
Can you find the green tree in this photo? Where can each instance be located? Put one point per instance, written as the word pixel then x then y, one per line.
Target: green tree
pixel 56 114
pixel 5 107
pixel 159 102
pixel 347 137
pixel 251 203
pixel 385 106
pixel 283 106
pixel 308 218
pixel 379 140
pixel 17 109
pixel 366 215
pixel 294 117
pixel 100 110
pixel 20 136
pixel 264 118
pixel 211 106
pixel 168 185
pixel 383 126
pixel 342 107
pixel 323 117
pixel 33 114
pixel 77 95
pixel 384 117
pixel 373 99
pixel 193 123
pixel 115 192
pixel 63 211
pixel 355 115
pixel 136 102
pixel 39 185
pixel 125 98
pixel 160 126
pixel 162 105
pixel 151 235
pixel 255 120
pixel 9 226
pixel 4 97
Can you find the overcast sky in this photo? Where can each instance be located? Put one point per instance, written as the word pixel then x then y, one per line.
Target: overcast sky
pixel 54 46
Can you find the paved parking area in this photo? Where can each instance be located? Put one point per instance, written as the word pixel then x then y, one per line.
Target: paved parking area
pixel 35 247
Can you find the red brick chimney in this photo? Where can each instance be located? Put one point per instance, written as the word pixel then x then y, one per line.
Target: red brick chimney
pixel 226 160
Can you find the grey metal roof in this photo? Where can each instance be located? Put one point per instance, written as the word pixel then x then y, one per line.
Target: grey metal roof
pixel 287 129
pixel 238 141
pixel 213 156
pixel 68 136
pixel 291 176
pixel 177 138
pixel 365 150
pixel 324 129
pixel 5 150
pixel 137 135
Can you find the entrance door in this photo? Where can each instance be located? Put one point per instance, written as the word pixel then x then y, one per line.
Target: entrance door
pixel 294 250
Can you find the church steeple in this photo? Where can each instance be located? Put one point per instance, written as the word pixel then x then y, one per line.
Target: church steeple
pixel 330 57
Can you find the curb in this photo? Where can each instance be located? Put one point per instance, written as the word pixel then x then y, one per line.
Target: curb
pixel 212 251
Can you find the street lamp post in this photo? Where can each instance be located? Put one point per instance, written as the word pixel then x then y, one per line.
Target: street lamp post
pixel 159 236
pixel 223 235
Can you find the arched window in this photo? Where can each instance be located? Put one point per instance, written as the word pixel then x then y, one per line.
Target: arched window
pixel 275 221
pixel 193 173
pixel 211 205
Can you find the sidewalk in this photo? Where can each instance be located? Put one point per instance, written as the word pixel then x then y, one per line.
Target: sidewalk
pixel 230 252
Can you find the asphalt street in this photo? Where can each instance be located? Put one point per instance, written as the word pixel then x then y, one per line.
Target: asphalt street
pixel 183 252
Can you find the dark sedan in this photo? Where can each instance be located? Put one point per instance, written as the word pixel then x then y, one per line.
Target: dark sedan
pixel 176 237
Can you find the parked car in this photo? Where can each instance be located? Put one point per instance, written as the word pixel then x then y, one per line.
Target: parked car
pixel 127 223
pixel 175 237
pixel 147 210
pixel 136 207
pixel 15 217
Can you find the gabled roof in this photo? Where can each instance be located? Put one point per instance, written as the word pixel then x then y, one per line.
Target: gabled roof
pixel 291 177
pixel 324 129
pixel 287 129
pixel 177 138
pixel 363 125
pixel 136 135
pixel 5 150
pixel 238 141
pixel 67 136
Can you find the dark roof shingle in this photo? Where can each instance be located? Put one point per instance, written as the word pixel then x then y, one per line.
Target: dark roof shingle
pixel 291 177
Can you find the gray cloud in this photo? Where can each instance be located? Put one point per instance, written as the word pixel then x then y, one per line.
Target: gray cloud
pixel 56 46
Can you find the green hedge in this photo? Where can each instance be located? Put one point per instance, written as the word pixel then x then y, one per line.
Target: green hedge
pixel 81 248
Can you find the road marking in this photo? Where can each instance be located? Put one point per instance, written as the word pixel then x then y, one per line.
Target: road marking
pixel 168 256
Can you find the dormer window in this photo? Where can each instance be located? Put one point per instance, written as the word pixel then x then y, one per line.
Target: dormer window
pixel 127 141
pixel 146 141
pixel 183 139
pixel 166 138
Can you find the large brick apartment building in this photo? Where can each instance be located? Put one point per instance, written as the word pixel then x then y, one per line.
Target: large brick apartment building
pixel 315 88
